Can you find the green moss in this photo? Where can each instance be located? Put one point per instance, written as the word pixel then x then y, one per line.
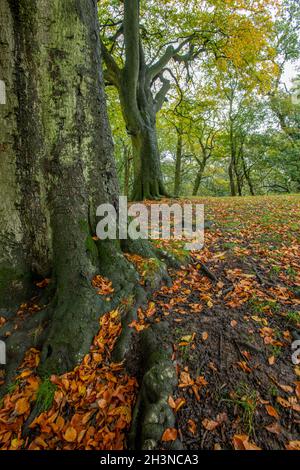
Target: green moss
pixel 45 395
pixel 91 247
pixel 84 226
pixel 12 279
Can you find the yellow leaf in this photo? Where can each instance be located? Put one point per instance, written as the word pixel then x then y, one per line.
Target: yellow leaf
pixel 22 406
pixel 70 435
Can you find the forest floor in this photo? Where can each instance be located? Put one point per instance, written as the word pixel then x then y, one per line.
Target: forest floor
pixel 232 347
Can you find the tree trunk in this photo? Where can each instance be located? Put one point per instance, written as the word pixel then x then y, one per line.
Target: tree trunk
pixel 199 177
pixel 57 167
pixel 148 180
pixel 178 161
pixel 127 165
pixel 231 179
pixel 248 177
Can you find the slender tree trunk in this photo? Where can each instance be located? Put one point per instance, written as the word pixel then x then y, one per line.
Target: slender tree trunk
pixel 248 177
pixel 231 179
pixel 178 161
pixel 57 167
pixel 239 183
pixel 198 179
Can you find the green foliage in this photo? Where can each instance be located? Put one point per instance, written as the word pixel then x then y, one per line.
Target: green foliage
pixel 229 105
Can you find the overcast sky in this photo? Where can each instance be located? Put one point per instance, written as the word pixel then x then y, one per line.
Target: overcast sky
pixel 291 72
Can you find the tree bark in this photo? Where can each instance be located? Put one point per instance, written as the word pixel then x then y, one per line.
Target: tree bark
pixel 198 181
pixel 231 179
pixel 57 167
pixel 127 168
pixel 178 161
pixel 247 176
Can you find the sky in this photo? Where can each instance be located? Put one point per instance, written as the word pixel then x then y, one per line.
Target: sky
pixel 290 73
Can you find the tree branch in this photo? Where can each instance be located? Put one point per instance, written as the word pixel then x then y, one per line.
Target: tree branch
pixel 113 72
pixel 132 44
pixel 170 52
pixel 161 95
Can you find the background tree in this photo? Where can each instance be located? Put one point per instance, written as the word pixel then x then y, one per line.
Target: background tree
pixel 143 77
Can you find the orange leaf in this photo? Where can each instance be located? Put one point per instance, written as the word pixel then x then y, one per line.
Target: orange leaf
pixel 170 434
pixel 241 442
pixel 283 402
pixel 244 366
pixel 22 406
pixel 192 427
pixel 293 445
pixel 70 435
pixel 209 424
pixel 171 403
pixel 271 360
pixel 271 411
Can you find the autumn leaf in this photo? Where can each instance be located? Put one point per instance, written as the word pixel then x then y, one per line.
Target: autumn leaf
pixel 241 442
pixel 274 428
pixel 293 445
pixel 271 411
pixel 244 366
pixel 192 428
pixel 204 335
pixel 283 402
pixel 286 388
pixel 170 434
pixel 179 402
pixel 22 406
pixel 70 435
pixel 271 360
pixel 171 402
pixel 209 424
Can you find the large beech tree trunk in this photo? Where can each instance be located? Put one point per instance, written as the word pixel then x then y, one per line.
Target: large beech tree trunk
pixel 57 166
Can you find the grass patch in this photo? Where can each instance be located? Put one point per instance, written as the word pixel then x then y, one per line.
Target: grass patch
pixel 45 395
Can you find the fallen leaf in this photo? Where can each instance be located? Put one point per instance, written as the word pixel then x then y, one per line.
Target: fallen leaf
pixel 293 445
pixel 70 435
pixel 286 388
pixel 171 402
pixel 22 406
pixel 241 442
pixel 204 335
pixel 274 428
pixel 170 434
pixel 271 411
pixel 209 424
pixel 271 360
pixel 192 428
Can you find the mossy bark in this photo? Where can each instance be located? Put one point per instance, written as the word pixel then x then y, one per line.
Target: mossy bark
pixel 57 167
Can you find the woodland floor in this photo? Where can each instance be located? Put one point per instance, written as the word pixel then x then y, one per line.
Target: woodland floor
pixel 231 338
